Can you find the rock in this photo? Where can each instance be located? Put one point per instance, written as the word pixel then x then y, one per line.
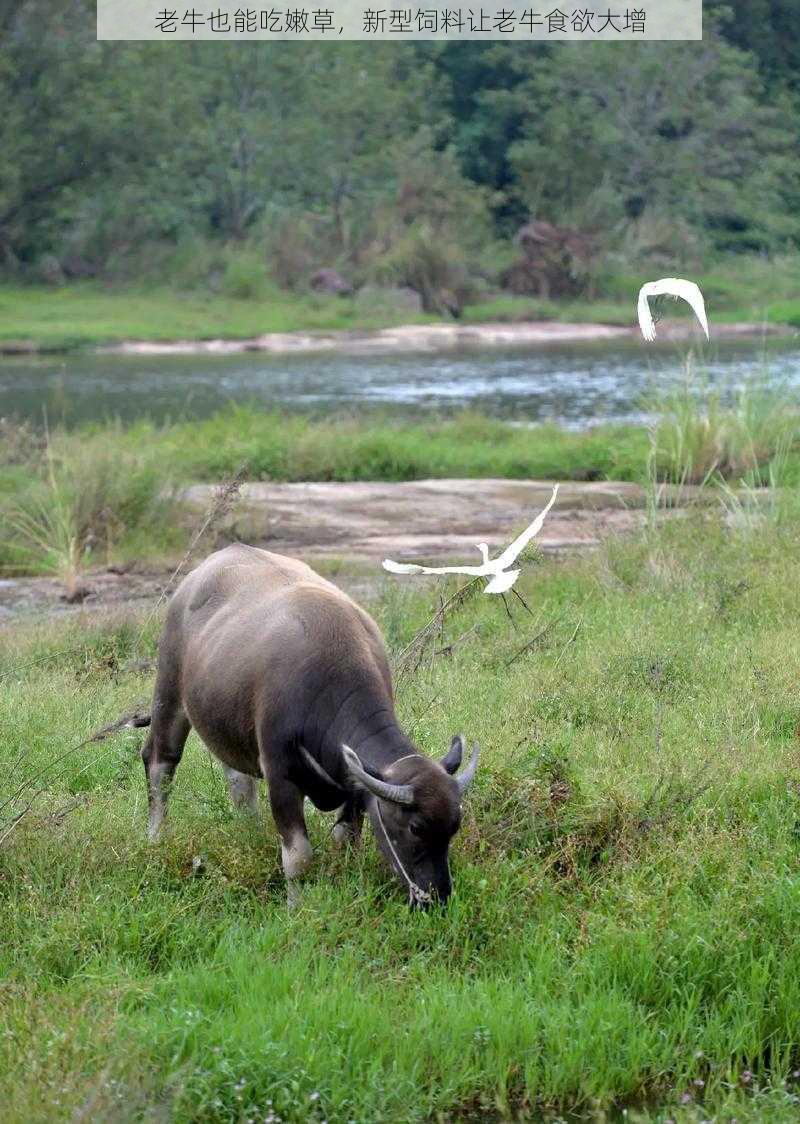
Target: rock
pixel 555 261
pixel 449 303
pixel 19 347
pixel 76 266
pixel 48 269
pixel 388 298
pixel 330 281
pixel 76 595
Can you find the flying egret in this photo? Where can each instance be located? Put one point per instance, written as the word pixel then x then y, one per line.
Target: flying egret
pixel 673 287
pixel 497 569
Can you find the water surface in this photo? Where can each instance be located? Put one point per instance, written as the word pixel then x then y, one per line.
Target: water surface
pixel 574 384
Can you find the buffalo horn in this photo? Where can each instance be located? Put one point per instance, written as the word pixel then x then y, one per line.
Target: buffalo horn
pixel 466 778
pixel 396 793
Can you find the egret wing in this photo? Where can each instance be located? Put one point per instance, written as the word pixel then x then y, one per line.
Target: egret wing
pixel 502 581
pixel 694 298
pixel 413 568
pixel 402 567
pixel 674 287
pixel 518 545
pixel 645 316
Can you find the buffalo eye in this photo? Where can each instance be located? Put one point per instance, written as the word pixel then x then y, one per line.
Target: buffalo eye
pixel 416 828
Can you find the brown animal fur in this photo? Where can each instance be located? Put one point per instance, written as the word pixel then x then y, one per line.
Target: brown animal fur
pixel 276 668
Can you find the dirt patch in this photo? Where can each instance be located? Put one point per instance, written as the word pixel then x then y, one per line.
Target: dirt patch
pixel 348 529
pixel 107 590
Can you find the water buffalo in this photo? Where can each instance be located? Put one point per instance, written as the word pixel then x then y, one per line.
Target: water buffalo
pixel 284 677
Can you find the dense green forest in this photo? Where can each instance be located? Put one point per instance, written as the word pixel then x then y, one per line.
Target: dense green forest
pixel 215 165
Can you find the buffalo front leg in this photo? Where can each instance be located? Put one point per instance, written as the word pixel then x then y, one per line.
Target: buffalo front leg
pixel 161 754
pixel 243 790
pixel 286 802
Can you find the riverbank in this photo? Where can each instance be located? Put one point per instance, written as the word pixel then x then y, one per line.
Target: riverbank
pixel 108 494
pixel 435 337
pixel 81 315
pixel 405 337
pixel 127 503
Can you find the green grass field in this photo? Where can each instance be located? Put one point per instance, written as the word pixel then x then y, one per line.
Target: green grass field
pixel 85 313
pixel 622 942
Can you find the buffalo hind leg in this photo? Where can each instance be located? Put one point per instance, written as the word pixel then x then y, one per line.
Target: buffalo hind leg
pixel 161 754
pixel 349 820
pixel 243 790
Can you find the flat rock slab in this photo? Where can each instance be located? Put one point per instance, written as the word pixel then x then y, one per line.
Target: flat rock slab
pixel 405 338
pixel 425 519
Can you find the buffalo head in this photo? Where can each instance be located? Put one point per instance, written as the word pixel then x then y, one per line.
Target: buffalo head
pixel 415 809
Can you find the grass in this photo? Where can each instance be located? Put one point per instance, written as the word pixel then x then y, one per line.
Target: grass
pixel 627 887
pixel 280 447
pixel 67 504
pixel 742 288
pixel 86 313
pixel 739 288
pixel 752 441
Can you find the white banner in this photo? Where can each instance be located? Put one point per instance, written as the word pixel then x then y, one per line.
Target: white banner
pixel 353 19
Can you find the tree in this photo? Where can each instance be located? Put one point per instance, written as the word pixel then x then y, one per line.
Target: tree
pixel 669 128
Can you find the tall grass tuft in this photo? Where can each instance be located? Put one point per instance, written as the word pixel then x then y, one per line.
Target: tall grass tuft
pixel 697 438
pixel 81 500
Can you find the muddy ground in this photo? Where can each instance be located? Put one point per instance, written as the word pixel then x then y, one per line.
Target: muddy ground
pixel 347 529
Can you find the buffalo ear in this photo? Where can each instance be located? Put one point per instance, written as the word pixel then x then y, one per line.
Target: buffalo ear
pixel 451 761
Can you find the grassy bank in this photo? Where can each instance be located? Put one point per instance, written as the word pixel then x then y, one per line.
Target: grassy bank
pixel 104 494
pixel 82 314
pixel 623 929
pixel 86 313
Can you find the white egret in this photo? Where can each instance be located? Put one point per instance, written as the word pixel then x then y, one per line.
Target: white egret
pixel 496 569
pixel 674 287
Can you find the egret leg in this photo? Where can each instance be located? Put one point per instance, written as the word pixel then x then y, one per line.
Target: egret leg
pixel 508 610
pixel 519 597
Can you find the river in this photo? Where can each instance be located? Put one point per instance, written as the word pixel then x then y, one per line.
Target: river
pixel 574 384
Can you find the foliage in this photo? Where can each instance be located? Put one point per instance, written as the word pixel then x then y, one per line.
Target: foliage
pixel 359 157
pixel 679 133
